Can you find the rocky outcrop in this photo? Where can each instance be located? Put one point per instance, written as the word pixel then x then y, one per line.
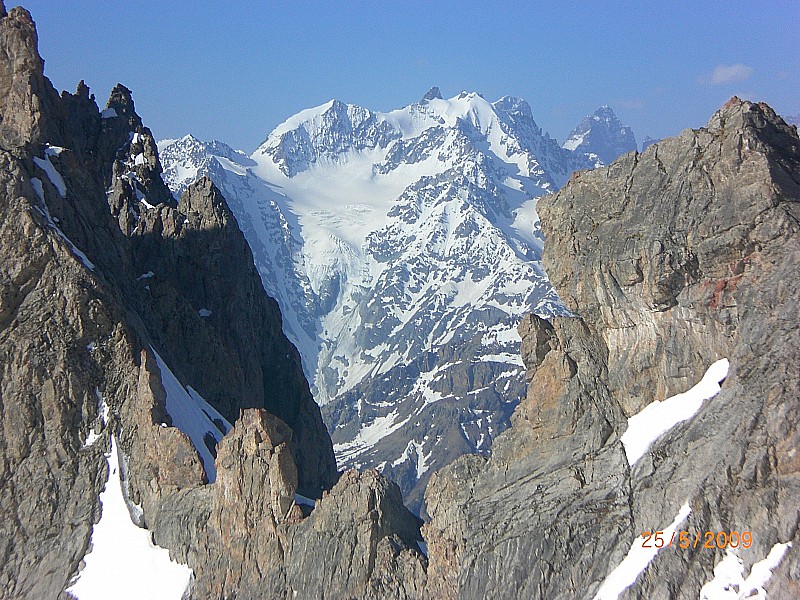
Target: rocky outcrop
pixel 670 260
pixel 48 481
pixel 104 281
pixel 247 537
pixel 27 98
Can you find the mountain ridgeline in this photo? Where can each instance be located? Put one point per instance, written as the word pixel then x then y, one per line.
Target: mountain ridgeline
pixel 126 314
pixel 403 248
pixel 142 358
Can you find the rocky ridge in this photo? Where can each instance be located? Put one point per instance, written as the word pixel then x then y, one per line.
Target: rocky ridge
pixel 557 507
pixel 127 314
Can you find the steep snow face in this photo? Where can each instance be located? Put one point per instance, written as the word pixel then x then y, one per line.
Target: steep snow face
pixel 660 416
pixel 603 135
pixel 403 248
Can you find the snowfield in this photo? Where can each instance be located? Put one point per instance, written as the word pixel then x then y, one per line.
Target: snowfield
pixel 658 417
pixel 403 249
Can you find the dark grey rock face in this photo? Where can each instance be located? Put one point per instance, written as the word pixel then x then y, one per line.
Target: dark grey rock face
pixel 670 259
pixel 208 313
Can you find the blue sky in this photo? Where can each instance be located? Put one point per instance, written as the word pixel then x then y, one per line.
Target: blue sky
pixel 234 70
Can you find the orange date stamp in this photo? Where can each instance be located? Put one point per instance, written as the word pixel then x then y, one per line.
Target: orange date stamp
pixel 701 539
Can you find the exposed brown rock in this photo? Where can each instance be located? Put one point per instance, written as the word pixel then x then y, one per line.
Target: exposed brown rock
pixel 358 542
pixel 165 459
pixel 77 324
pixel 24 92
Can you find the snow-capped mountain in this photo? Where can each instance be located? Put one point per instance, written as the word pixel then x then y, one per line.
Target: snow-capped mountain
pixel 403 248
pixel 602 135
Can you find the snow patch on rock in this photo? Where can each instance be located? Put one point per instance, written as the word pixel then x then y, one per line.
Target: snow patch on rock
pixel 123 562
pixel 657 418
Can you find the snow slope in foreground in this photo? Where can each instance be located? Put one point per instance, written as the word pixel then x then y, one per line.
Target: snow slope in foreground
pixel 123 563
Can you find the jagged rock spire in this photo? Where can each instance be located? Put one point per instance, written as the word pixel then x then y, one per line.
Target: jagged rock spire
pixel 121 101
pixel 432 94
pixel 25 95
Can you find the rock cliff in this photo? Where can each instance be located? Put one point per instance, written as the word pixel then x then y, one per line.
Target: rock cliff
pixel 670 260
pixel 125 313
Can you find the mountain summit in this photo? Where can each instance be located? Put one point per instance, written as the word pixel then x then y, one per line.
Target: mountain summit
pixel 403 248
pixel 603 135
pixel 432 94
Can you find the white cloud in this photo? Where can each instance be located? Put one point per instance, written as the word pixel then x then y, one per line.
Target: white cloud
pixel 723 74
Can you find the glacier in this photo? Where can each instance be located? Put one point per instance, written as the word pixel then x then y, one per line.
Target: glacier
pixel 403 248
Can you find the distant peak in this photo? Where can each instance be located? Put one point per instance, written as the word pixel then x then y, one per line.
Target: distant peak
pixel 3 11
pixel 649 141
pixel 512 103
pixel 603 135
pixel 432 94
pixel 605 112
